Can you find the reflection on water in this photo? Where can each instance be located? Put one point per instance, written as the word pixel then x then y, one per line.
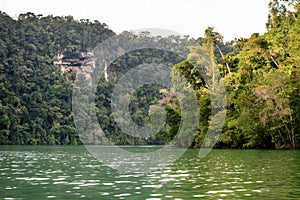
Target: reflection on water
pixel 72 173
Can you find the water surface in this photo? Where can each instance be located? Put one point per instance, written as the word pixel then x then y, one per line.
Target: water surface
pixel 58 172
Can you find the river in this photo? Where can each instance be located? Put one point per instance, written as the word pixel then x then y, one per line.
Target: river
pixel 70 172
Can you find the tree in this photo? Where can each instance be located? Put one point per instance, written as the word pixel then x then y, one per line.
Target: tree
pixel 210 41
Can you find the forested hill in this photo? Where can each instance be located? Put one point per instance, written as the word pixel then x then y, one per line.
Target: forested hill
pixel 260 73
pixel 35 99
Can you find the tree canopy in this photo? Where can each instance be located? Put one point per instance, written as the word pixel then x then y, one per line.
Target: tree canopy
pixel 260 74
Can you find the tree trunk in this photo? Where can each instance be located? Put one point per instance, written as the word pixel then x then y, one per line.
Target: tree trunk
pixel 222 55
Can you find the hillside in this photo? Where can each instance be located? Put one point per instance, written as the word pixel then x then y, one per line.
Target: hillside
pixel 40 56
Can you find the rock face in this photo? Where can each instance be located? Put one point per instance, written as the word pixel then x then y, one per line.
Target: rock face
pixel 72 63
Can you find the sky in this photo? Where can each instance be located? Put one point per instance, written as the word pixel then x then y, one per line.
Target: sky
pixel 231 18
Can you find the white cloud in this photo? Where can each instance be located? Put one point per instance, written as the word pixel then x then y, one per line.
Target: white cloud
pixel 232 18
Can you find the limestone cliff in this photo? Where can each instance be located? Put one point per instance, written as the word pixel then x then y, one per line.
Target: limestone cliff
pixel 71 63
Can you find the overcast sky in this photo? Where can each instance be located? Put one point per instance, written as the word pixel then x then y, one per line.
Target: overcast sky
pixel 232 18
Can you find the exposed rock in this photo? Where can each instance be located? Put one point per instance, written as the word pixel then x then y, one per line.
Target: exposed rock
pixel 73 63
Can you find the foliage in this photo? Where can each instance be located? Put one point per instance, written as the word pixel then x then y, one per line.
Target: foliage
pixel 260 74
pixel 35 104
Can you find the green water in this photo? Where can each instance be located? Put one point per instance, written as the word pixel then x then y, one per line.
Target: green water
pixel 72 173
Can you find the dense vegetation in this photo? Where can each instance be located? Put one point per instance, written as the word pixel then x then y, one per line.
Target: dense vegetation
pixel 263 86
pixel 260 74
pixel 35 106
